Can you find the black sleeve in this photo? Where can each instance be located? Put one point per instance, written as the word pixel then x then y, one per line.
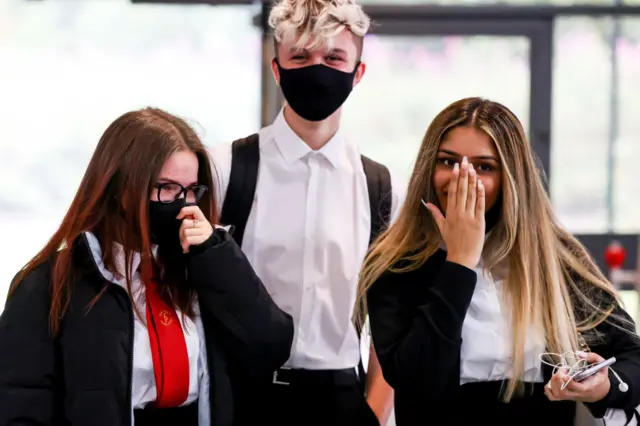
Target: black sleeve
pixel 27 355
pixel 622 342
pixel 256 334
pixel 420 346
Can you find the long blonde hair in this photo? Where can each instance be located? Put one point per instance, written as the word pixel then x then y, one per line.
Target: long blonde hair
pixel 550 274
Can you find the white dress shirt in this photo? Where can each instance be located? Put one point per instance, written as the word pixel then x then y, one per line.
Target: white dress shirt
pixel 144 382
pixel 486 346
pixel 486 353
pixel 306 238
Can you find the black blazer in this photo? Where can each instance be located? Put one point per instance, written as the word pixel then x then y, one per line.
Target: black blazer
pixel 416 324
pixel 83 377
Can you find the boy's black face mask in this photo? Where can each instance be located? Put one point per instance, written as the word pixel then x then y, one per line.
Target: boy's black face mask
pixel 315 91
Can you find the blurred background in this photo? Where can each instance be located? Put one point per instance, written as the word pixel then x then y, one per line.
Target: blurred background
pixel 571 72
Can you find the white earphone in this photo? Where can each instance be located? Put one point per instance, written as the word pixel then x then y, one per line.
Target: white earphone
pixel 575 364
pixel 622 385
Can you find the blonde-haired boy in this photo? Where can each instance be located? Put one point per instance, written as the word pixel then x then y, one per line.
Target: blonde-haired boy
pixel 328 34
pixel 305 204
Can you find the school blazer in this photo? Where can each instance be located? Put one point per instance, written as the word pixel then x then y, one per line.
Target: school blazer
pixel 416 322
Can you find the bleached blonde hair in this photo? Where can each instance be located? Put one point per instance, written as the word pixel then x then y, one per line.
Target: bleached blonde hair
pixel 314 23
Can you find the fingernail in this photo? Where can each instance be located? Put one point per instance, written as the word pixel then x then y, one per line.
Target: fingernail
pixel 456 166
pixel 464 160
pixel 581 354
pixel 480 184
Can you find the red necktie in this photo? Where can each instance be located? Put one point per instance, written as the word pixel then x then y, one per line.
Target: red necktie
pixel 168 349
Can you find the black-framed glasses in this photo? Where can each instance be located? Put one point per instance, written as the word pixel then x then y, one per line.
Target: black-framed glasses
pixel 168 192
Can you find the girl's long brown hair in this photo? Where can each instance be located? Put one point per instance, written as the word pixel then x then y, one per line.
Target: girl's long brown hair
pixel 112 202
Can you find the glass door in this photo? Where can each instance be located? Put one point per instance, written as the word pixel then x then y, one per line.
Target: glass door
pixel 409 79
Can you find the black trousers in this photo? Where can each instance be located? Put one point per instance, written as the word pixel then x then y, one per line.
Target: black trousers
pixel 179 416
pixel 307 399
pixel 483 403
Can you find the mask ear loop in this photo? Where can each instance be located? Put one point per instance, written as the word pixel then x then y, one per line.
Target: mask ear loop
pixel 574 367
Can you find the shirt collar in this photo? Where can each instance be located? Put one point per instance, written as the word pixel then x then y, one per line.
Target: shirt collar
pixel 118 276
pixel 292 148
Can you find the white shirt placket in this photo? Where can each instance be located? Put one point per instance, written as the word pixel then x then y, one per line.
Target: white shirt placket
pixel 308 276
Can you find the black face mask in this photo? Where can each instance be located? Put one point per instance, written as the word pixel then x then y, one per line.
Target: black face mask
pixel 163 223
pixel 316 91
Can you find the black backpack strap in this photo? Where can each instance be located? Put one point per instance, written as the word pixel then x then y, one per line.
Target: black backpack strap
pixel 379 187
pixel 243 179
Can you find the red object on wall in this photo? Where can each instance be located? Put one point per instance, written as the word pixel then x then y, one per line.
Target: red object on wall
pixel 615 255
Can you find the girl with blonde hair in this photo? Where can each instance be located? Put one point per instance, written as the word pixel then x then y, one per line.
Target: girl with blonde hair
pixel 476 284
